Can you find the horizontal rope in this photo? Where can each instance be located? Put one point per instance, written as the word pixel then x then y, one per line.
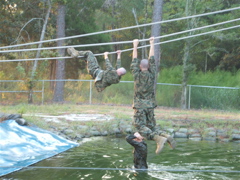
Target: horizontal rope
pixel 84 80
pixel 120 29
pixel 164 42
pixel 120 42
pixel 122 169
pixel 36 59
pixel 17 91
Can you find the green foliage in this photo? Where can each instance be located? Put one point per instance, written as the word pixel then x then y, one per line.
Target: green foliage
pixel 60 1
pixel 22 110
pixel 211 54
pixel 2 75
pixel 216 98
pixel 21 69
pixel 171 75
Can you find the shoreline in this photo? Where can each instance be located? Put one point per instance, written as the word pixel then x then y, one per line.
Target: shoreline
pixel 102 125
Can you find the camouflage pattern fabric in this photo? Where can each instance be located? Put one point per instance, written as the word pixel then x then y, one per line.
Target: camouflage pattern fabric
pixel 140 152
pixel 108 76
pixel 92 63
pixel 144 98
pixel 145 122
pixel 118 64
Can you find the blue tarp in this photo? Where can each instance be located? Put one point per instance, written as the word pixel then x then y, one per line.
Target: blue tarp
pixel 21 146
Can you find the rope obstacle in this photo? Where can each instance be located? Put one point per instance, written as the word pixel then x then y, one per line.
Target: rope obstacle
pixel 121 42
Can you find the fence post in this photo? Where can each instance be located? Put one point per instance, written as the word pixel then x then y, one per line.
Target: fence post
pixel 42 92
pixel 90 95
pixel 189 97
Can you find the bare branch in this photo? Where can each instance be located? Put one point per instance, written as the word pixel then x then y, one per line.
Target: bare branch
pixel 24 27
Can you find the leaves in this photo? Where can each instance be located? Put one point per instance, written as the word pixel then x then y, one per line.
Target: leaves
pixel 216 50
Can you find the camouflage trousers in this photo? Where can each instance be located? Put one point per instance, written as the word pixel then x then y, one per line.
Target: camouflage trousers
pixel 145 122
pixel 92 63
pixel 92 67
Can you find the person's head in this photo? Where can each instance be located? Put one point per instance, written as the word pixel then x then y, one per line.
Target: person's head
pixel 121 71
pixel 144 65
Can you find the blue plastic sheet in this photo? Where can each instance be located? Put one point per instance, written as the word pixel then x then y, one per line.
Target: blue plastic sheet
pixel 21 146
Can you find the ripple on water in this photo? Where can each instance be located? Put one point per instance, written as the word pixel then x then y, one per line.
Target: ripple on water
pixel 191 160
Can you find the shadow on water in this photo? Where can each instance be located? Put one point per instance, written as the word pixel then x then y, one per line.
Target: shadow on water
pixel 199 160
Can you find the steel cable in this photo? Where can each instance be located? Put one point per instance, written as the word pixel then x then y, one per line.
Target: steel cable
pixel 120 29
pixel 177 39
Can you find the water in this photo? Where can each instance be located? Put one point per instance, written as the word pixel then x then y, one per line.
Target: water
pixel 188 161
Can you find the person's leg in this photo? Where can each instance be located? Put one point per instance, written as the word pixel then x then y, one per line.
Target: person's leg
pixel 75 54
pixel 140 122
pixel 151 123
pixel 92 63
pixel 170 140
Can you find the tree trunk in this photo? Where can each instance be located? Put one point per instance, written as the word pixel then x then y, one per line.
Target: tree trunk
pixel 60 64
pixel 31 83
pixel 187 66
pixel 185 74
pixel 52 74
pixel 156 31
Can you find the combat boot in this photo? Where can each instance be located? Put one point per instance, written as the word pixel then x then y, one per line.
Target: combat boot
pixel 160 140
pixel 172 143
pixel 73 52
pixel 85 53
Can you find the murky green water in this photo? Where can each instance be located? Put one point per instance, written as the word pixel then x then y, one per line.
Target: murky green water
pixel 192 158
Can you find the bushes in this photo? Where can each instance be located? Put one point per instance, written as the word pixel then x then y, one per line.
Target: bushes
pixel 201 97
pixel 122 93
pixel 215 98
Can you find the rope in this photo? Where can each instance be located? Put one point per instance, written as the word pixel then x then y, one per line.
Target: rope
pixel 196 35
pixel 122 169
pixel 127 49
pixel 120 29
pixel 120 42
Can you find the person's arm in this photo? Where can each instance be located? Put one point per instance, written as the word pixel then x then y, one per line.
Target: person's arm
pixel 151 51
pixel 131 139
pixel 135 45
pixel 118 64
pixel 108 64
pixel 152 63
pixel 138 136
pixel 135 62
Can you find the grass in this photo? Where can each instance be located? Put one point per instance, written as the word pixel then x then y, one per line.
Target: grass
pixel 166 117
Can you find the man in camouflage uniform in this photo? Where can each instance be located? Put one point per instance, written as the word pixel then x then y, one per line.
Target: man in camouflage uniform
pixel 103 78
pixel 140 150
pixel 144 73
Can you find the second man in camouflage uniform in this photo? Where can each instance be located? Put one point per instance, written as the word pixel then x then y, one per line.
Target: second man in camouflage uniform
pixel 144 73
pixel 103 78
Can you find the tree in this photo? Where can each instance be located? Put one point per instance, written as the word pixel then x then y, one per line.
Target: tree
pixel 86 14
pixel 34 69
pixel 60 65
pixel 187 66
pixel 156 31
pixel 142 32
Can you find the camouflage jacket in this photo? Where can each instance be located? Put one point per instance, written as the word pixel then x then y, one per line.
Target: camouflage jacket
pixel 144 96
pixel 108 76
pixel 140 152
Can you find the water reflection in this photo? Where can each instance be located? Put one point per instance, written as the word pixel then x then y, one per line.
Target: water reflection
pixel 112 153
